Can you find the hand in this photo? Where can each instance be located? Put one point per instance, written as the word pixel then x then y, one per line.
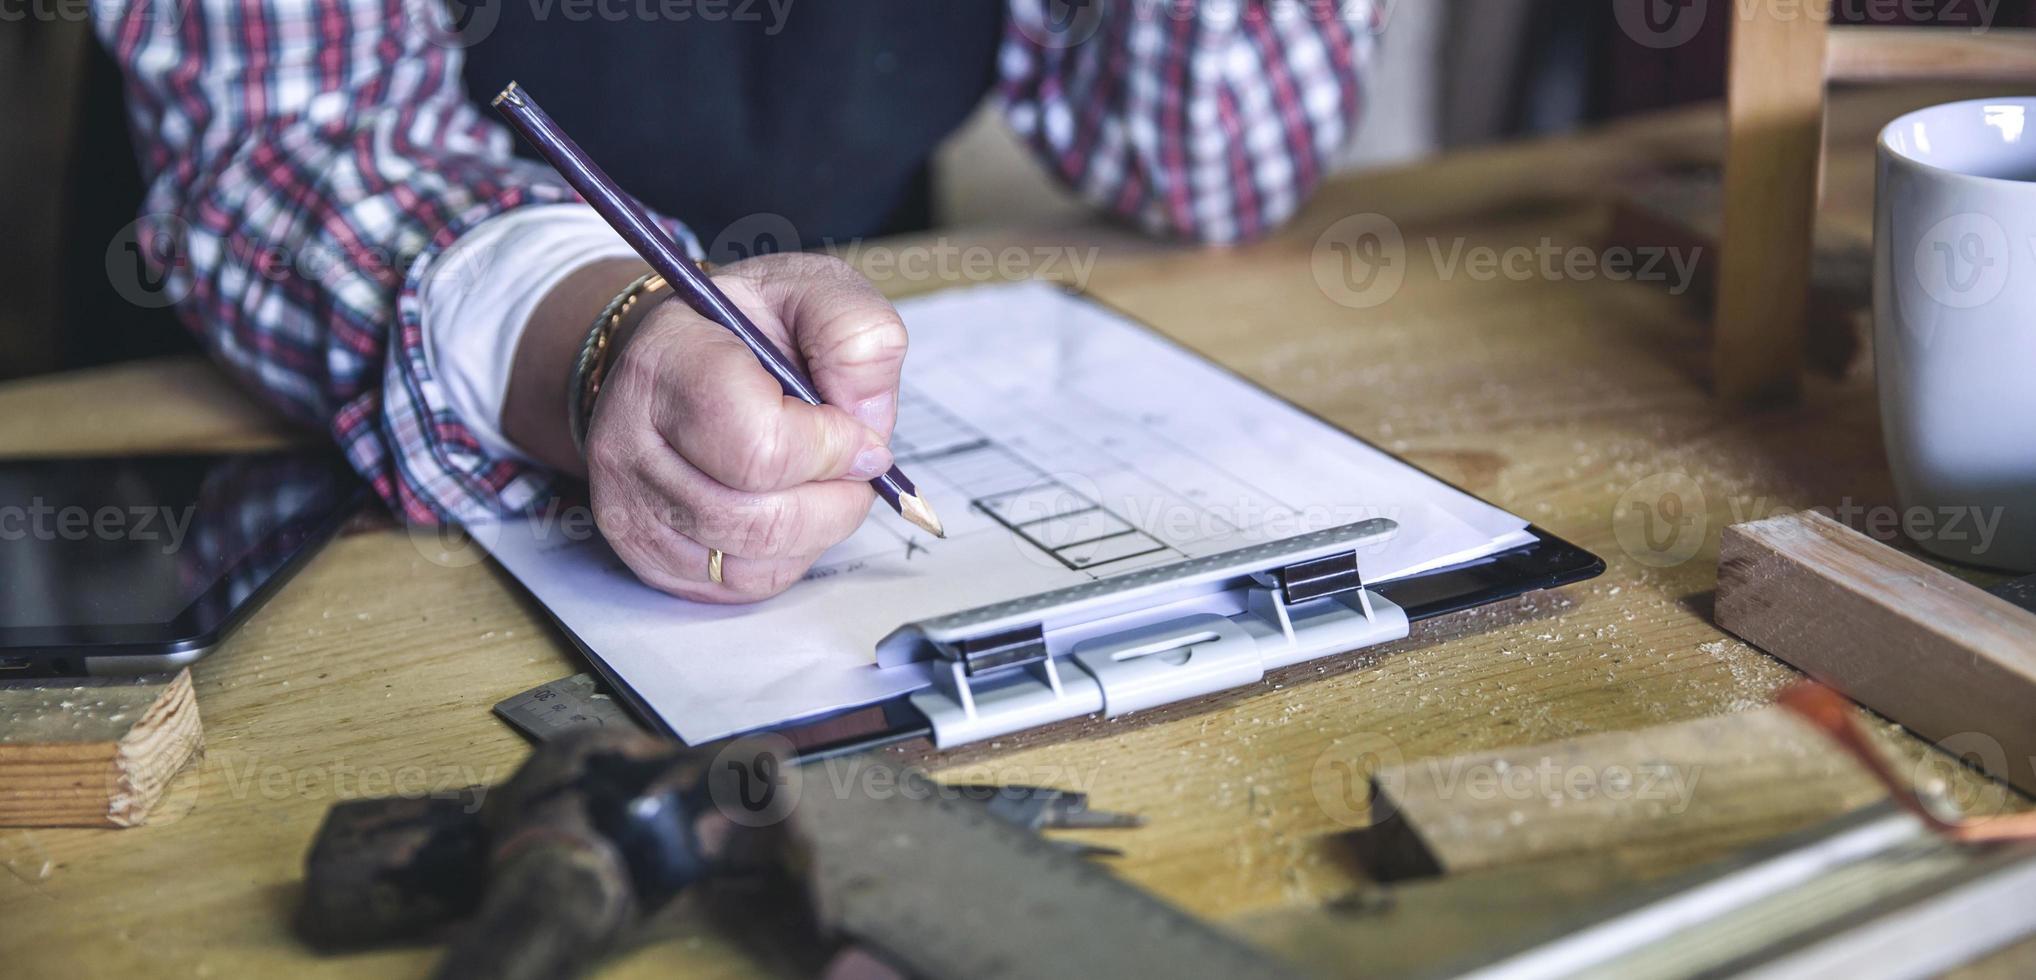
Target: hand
pixel 693 445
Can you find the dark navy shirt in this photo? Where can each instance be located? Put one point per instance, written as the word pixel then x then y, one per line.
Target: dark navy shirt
pixel 826 125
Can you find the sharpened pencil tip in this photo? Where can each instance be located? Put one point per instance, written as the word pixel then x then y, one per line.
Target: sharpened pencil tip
pixel 914 509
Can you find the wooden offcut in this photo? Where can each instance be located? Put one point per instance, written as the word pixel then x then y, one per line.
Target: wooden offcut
pixel 93 753
pixel 1666 796
pixel 1774 110
pixel 1943 658
pixel 1910 54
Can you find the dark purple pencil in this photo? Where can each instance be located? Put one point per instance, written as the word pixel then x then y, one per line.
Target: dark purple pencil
pixel 686 278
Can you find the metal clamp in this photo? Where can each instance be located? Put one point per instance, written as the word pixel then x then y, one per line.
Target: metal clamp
pixel 1017 678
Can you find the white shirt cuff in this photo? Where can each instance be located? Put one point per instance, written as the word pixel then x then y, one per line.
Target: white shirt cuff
pixel 479 294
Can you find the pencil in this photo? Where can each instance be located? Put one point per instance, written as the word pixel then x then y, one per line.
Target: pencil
pixel 686 279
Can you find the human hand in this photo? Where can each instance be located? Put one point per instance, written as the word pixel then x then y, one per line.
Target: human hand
pixel 694 446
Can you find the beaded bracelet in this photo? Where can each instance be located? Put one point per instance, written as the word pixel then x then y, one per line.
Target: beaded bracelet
pixel 591 366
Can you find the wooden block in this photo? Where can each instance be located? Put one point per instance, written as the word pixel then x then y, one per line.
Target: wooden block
pixel 1941 657
pixel 1920 54
pixel 1773 154
pixel 93 753
pixel 1671 795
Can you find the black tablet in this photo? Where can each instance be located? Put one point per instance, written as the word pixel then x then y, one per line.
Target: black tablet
pixel 142 564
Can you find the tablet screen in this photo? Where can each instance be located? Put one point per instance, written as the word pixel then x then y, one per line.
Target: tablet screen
pixel 152 549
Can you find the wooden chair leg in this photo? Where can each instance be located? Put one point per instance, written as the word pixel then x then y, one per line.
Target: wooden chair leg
pixel 1774 150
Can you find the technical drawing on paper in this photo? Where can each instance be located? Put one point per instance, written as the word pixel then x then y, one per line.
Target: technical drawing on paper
pixel 1043 510
pixel 1098 515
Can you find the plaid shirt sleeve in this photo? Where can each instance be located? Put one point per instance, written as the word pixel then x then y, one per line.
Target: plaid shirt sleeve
pixel 1210 121
pixel 306 159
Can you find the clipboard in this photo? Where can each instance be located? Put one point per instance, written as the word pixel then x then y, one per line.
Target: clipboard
pixel 1157 634
pixel 1057 658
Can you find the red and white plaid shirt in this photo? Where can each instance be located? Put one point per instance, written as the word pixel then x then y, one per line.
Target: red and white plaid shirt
pixel 313 156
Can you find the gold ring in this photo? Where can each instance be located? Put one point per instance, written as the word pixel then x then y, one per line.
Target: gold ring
pixel 714 565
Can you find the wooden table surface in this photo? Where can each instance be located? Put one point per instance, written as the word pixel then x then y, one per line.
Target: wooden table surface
pixel 1575 403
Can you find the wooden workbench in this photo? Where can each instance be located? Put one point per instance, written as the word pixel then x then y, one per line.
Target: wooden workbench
pixel 1572 403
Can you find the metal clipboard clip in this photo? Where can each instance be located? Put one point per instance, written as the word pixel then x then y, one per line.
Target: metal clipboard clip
pixel 1146 638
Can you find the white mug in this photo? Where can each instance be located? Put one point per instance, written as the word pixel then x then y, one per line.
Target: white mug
pixel 1954 303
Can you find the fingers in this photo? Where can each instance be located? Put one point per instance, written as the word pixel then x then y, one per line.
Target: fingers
pixel 659 489
pixel 718 407
pixel 849 335
pixel 678 565
pixel 661 514
pixel 800 522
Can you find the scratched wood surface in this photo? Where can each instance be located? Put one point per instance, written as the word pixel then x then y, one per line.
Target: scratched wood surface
pixel 1579 403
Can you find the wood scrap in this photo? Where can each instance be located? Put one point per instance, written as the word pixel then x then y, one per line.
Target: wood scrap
pixel 1774 150
pixel 93 753
pixel 1871 893
pixel 1881 54
pixel 1667 795
pixel 1940 656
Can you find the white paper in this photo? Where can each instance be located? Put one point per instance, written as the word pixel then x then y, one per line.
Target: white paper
pixel 1060 443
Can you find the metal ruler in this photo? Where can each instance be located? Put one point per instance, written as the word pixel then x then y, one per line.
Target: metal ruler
pixel 937 884
pixel 556 707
